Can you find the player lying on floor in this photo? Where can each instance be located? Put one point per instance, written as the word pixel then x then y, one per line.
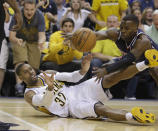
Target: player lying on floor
pixel 47 93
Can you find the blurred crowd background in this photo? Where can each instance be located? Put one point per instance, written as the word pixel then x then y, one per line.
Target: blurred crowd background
pixel 41 44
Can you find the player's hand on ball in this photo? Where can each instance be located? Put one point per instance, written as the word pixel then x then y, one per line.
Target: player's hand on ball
pixel 49 80
pixel 99 73
pixel 85 64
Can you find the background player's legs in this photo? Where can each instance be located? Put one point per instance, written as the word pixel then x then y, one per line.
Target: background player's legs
pixel 150 55
pixel 115 114
pixel 137 113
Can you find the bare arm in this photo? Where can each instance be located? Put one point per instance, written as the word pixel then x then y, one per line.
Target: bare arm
pixel 13 39
pixel 41 40
pixel 6 7
pixel 111 34
pixel 140 47
pixel 76 75
pixel 138 50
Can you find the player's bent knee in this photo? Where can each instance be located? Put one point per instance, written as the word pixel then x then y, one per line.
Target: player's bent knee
pixel 101 109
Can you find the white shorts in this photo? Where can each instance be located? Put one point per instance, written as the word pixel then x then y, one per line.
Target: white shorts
pixel 4 53
pixel 83 97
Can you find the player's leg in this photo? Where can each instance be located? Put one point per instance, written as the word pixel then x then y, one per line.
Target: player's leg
pixel 136 113
pixel 151 60
pixel 113 78
pixel 115 114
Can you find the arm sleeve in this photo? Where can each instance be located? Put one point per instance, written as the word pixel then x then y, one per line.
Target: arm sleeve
pixel 42 99
pixel 69 77
pixel 122 63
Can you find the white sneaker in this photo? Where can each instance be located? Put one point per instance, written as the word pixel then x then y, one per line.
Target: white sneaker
pixel 129 98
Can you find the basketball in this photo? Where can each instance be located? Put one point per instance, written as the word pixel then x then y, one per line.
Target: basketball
pixel 84 40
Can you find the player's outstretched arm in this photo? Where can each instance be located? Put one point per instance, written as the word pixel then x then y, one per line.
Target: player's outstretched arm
pixel 111 33
pixel 76 75
pixel 85 65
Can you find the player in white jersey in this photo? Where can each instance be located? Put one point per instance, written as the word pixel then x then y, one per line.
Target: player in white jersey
pixel 46 92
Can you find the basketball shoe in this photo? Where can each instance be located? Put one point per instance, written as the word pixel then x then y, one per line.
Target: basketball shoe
pixel 141 116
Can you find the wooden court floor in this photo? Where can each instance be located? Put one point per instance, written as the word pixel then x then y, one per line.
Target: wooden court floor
pixel 24 117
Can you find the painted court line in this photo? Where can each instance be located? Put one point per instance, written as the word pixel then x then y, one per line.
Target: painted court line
pixel 17 107
pixel 23 121
pixel 16 101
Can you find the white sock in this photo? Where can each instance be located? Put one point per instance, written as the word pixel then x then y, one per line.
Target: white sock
pixel 141 66
pixel 129 116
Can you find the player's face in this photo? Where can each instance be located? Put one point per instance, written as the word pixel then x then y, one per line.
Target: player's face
pixel 128 29
pixel 29 10
pixel 28 75
pixel 67 27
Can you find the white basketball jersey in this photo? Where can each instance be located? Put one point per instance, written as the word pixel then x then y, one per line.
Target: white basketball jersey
pixel 76 101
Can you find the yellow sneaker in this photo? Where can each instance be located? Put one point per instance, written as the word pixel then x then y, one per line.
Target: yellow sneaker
pixel 141 116
pixel 151 57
